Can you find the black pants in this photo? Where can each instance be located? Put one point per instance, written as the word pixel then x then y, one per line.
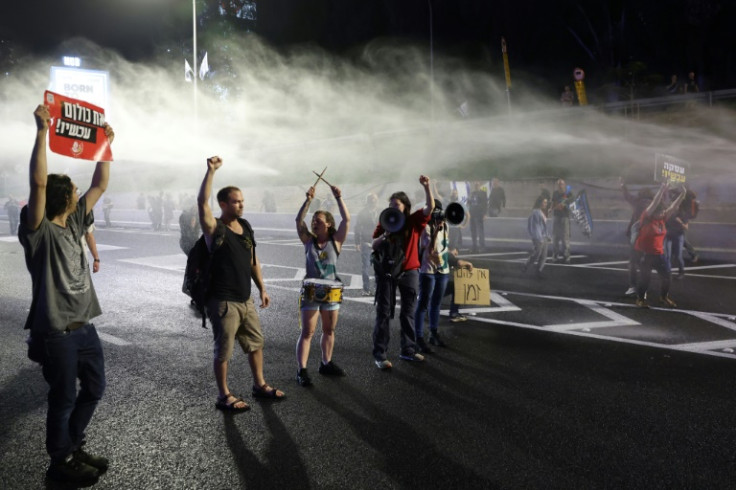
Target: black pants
pixel 408 284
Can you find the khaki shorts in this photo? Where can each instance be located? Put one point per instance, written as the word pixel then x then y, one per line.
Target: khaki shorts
pixel 234 320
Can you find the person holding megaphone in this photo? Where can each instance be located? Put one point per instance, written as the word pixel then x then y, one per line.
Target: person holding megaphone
pixel 399 230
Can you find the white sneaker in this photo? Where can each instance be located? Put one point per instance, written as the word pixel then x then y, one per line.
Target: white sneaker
pixel 630 292
pixel 384 364
pixel 416 357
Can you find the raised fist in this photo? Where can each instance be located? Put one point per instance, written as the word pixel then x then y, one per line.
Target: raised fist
pixel 214 162
pixel 42 116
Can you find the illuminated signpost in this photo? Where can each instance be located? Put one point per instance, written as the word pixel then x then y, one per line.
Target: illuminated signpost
pixel 579 75
pixel 88 85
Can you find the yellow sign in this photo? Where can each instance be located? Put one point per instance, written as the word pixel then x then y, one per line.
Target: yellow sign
pixel 472 287
pixel 580 90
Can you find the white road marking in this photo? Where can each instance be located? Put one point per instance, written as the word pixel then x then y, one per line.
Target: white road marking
pixel 112 339
pixel 595 264
pixel 174 262
pixel 616 320
pixel 104 248
pixel 714 319
pixel 715 266
pixel 710 276
pixel 281 241
pixel 704 346
pixel 607 338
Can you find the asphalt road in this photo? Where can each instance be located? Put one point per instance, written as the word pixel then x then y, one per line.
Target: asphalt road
pixel 559 383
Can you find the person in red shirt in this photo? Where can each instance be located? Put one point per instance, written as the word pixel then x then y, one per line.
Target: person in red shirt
pixel 650 243
pixel 407 282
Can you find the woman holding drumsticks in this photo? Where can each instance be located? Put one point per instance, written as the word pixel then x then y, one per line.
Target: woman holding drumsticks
pixel 322 289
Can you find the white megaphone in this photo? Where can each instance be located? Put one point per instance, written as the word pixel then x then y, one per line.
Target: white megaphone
pixel 392 220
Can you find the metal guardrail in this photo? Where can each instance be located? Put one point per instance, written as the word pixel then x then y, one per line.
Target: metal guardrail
pixel 635 105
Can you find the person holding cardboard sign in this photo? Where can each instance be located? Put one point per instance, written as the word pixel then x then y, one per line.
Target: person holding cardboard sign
pixel 62 339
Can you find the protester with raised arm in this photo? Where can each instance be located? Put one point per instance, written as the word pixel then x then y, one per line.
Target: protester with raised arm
pixel 62 339
pixel 322 247
pixel 650 243
pixel 230 306
pixel 408 282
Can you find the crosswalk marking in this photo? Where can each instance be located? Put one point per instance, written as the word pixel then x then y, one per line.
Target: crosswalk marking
pixel 615 319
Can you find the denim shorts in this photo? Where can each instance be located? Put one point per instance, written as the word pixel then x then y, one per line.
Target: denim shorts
pixel 316 305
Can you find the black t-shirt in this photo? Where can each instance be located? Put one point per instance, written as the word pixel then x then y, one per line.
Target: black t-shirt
pixel 231 266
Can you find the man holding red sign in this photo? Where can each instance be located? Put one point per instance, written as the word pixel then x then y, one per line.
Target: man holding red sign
pixel 62 339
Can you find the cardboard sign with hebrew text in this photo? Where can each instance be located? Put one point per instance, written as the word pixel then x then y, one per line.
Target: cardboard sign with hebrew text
pixel 472 287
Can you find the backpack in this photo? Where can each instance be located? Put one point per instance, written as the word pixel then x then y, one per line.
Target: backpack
pixel 388 258
pixel 388 261
pixel 197 277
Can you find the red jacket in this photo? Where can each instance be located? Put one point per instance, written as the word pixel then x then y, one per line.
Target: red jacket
pixel 416 224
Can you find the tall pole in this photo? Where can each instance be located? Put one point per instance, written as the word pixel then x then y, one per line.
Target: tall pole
pixel 507 72
pixel 431 61
pixel 194 42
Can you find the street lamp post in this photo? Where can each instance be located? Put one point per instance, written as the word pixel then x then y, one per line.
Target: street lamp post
pixel 194 53
pixel 431 61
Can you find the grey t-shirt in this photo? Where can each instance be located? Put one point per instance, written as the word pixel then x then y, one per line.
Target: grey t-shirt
pixel 62 285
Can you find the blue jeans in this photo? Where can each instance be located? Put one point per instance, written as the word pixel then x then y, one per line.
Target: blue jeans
pixel 408 284
pixel 431 290
pixel 69 356
pixel 561 237
pixel 450 289
pixel 662 266
pixel 673 247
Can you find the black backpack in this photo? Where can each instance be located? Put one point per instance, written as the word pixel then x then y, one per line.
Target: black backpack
pixel 197 277
pixel 388 258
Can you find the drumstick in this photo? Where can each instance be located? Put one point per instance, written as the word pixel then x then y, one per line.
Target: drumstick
pixel 319 176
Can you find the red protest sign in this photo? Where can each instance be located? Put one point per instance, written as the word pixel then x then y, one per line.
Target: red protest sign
pixel 77 128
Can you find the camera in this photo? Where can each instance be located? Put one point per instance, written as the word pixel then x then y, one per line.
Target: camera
pixel 455 214
pixel 438 215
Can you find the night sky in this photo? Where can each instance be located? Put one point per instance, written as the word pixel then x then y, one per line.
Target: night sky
pixel 547 38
